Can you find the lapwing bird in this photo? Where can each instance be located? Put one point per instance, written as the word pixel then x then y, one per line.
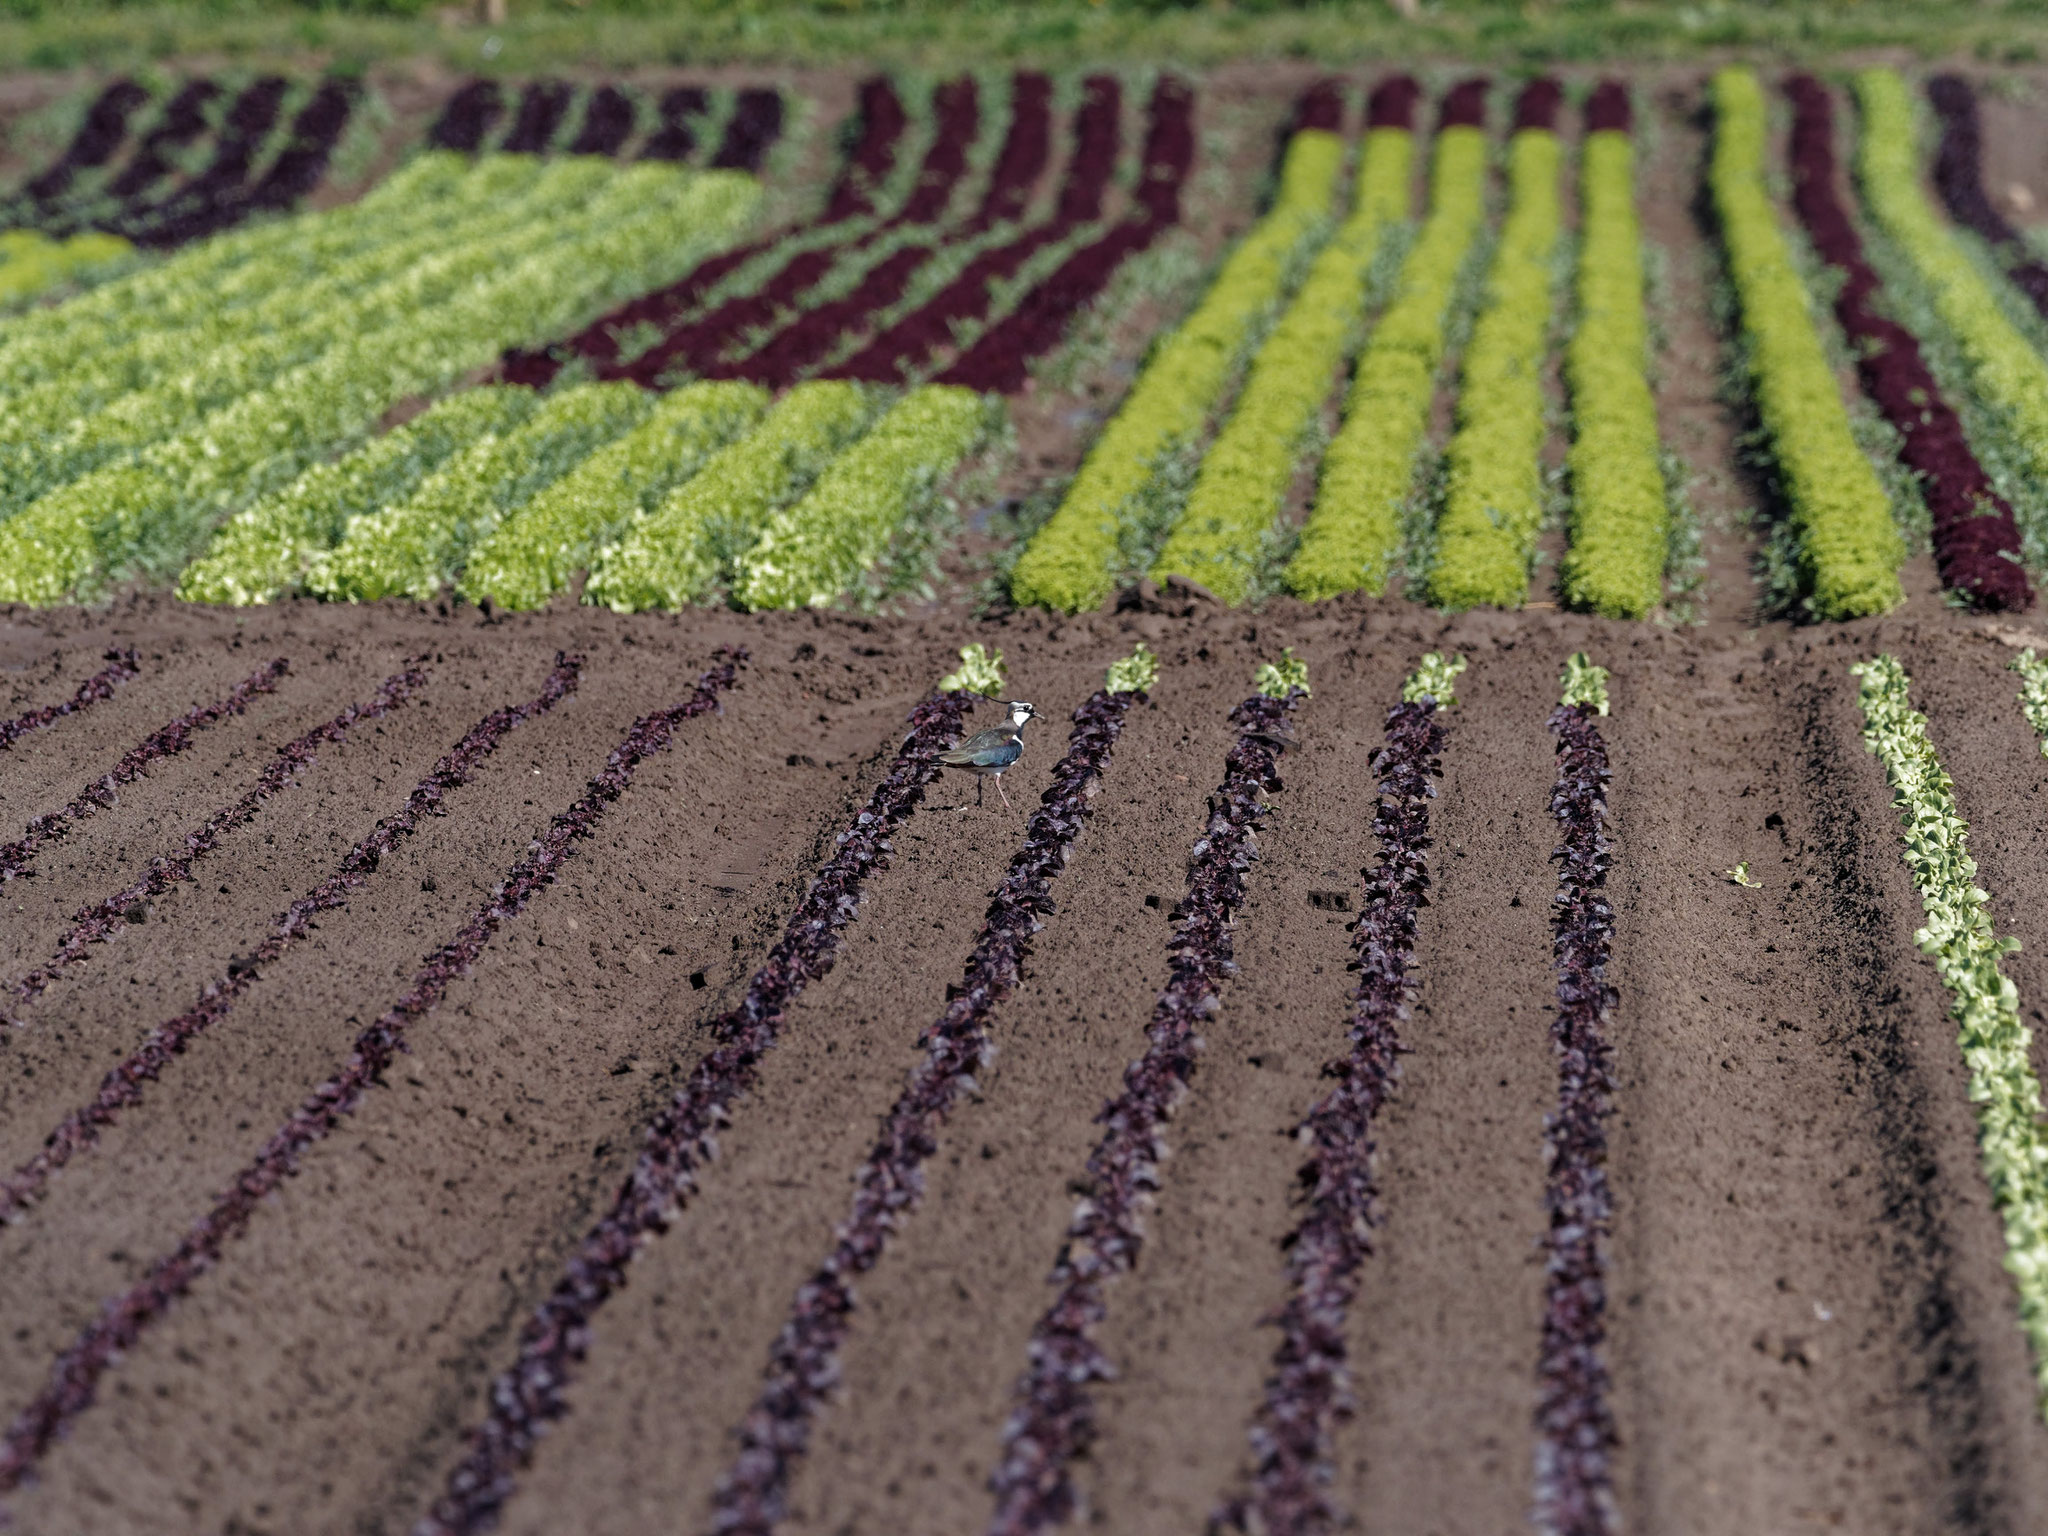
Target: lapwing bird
pixel 987 753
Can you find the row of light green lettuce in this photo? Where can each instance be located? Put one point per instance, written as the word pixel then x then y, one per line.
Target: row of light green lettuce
pixel 665 500
pixel 1493 497
pixel 1245 474
pixel 1069 563
pixel 413 292
pixel 1849 548
pixel 1620 519
pixel 1961 938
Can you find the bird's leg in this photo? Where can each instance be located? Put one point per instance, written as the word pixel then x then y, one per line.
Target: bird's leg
pixel 979 784
pixel 999 790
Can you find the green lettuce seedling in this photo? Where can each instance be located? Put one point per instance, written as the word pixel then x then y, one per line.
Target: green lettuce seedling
pixel 1278 679
pixel 981 671
pixel 1136 673
pixel 1436 678
pixel 1584 683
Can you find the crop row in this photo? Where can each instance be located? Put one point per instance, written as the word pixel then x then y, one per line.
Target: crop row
pixel 1493 498
pixel 1620 518
pixel 121 666
pixel 1976 538
pixel 1310 1384
pixel 673 127
pixel 123 1085
pixel 2006 373
pixel 1069 564
pixel 97 921
pixel 1959 176
pixel 17 859
pixel 1053 1417
pixel 1849 550
pixel 123 1319
pixel 1352 538
pixel 1962 940
pixel 1245 474
pixel 665 499
pixel 250 380
pixel 264 159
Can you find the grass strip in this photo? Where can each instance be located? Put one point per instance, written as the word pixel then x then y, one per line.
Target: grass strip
pixel 535 551
pixel 1070 563
pixel 1493 497
pixel 809 553
pixel 1849 550
pixel 679 553
pixel 1620 520
pixel 1228 523
pixel 17 859
pixel 412 549
pixel 1353 535
pixel 1964 944
pixel 266 549
pixel 124 1318
pixel 1309 1388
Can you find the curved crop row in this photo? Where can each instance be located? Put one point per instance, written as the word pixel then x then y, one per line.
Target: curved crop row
pixel 682 550
pixel 1976 537
pixel 123 1085
pixel 1070 563
pixel 1849 549
pixel 537 549
pixel 2009 375
pixel 33 263
pixel 1959 177
pixel 532 1394
pixel 101 133
pixel 148 511
pixel 266 549
pixel 123 1319
pixel 1310 1387
pixel 1054 1414
pixel 1620 519
pixel 413 548
pixel 1245 474
pixel 812 551
pixel 1353 534
pixel 1966 950
pixel 1493 497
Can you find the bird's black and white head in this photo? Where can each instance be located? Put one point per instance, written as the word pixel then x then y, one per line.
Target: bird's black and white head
pixel 1020 711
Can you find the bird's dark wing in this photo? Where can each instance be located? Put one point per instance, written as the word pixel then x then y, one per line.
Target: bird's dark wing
pixel 985 749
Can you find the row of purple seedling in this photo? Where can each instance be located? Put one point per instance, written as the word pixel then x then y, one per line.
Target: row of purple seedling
pixel 121 665
pixel 122 1087
pixel 533 1392
pixel 1976 537
pixel 1054 1416
pixel 97 921
pixel 75 1376
pixel 474 109
pixel 18 858
pixel 1575 1434
pixel 1309 1390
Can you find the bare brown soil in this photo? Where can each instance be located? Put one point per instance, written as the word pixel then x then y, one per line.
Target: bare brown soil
pixel 1809 1311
